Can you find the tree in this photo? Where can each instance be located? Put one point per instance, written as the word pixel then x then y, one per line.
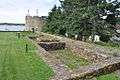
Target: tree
pixel 82 18
pixel 54 22
pixel 76 18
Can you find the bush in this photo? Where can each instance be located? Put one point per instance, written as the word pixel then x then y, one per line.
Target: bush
pixel 105 38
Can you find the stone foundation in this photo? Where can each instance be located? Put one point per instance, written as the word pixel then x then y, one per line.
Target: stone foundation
pixel 50 46
pixel 83 49
pixel 103 64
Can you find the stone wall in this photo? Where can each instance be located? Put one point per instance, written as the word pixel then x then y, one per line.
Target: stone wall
pixel 97 69
pixel 50 46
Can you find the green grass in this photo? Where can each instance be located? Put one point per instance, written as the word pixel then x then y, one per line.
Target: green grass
pixel 17 64
pixel 70 59
pixel 111 76
pixel 109 44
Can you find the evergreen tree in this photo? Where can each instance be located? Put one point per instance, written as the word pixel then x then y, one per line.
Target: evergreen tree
pixel 82 18
pixel 54 22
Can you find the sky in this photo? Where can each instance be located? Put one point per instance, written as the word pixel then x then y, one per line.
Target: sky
pixel 14 11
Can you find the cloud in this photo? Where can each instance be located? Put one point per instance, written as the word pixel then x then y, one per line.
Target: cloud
pixel 11 10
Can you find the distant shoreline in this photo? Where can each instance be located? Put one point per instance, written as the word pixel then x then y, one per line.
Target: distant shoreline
pixel 12 24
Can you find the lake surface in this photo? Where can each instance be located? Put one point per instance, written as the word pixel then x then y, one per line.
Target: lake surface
pixel 12 28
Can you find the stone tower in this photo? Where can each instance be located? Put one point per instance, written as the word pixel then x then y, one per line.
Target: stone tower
pixel 28 22
pixel 33 22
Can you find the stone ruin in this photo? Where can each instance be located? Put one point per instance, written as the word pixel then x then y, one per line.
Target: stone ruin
pixel 48 43
pixel 102 63
pixel 50 46
pixel 33 23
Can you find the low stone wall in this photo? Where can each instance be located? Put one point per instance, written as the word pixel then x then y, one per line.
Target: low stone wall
pixel 50 46
pixel 83 49
pixel 48 43
pixel 97 69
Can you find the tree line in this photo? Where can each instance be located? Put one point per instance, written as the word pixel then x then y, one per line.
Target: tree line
pixel 84 18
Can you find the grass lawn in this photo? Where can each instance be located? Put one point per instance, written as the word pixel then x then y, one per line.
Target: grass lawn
pixel 17 64
pixel 109 45
pixel 70 59
pixel 111 76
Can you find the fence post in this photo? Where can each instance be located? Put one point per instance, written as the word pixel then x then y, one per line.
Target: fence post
pixel 18 35
pixel 33 30
pixel 26 47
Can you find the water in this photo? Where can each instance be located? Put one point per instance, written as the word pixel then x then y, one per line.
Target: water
pixel 12 28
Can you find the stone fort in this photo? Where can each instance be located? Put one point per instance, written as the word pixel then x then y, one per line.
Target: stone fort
pixel 33 22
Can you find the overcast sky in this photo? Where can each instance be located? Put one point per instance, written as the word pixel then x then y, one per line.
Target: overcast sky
pixel 14 11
